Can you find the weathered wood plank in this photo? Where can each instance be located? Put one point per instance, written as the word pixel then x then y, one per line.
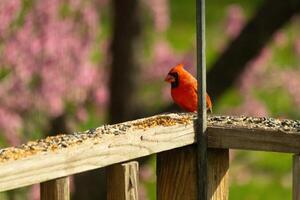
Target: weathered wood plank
pixel 253 139
pixel 177 174
pixel 61 156
pixel 122 181
pixel 296 177
pixel 217 175
pixel 102 147
pixel 57 189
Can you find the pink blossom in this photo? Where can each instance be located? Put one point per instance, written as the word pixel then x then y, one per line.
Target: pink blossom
pixel 290 81
pixel 101 96
pixel 8 12
pixel 56 106
pixel 250 107
pixel 86 75
pixel 280 39
pixel 253 76
pixel 91 17
pixel 48 59
pixel 143 193
pixel 166 93
pixel 164 58
pixel 82 114
pixel 189 62
pixel 235 20
pixel 254 71
pixel 10 123
pixel 34 193
pixel 146 172
pixel 160 12
pixel 297 46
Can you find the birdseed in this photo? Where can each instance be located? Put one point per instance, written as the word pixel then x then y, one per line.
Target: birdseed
pixel 97 135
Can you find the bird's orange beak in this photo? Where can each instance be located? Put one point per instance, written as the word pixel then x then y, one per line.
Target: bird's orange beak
pixel 169 78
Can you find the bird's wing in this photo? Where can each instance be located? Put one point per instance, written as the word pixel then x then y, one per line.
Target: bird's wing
pixel 208 100
pixel 194 84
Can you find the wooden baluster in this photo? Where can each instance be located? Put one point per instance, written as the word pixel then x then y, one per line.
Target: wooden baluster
pixel 217 174
pixel 296 177
pixel 177 174
pixel 57 189
pixel 122 181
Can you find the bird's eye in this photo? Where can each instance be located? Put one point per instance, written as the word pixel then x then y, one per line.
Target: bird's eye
pixel 174 74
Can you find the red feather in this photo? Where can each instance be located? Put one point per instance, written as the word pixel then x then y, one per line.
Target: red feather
pixel 184 89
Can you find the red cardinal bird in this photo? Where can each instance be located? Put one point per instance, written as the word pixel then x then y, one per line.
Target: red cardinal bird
pixel 184 89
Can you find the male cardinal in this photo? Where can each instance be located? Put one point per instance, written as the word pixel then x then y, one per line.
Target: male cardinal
pixel 184 89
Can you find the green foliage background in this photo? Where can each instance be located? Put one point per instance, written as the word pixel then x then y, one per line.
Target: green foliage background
pixel 253 175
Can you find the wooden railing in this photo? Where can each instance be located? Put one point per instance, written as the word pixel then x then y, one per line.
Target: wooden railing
pixel 51 160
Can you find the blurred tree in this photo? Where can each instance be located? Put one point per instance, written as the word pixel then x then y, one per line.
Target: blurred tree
pixel 123 83
pixel 270 17
pixel 125 59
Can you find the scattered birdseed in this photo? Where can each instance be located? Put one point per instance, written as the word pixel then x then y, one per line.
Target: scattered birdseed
pixel 98 135
pixel 285 125
pixel 163 121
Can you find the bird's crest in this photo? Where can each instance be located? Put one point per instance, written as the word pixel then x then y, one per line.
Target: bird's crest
pixel 177 68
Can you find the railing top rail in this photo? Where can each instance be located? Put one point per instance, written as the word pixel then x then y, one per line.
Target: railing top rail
pixel 64 155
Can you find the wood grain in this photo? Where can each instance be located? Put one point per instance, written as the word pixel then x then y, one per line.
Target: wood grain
pixel 122 181
pixel 296 177
pixel 115 148
pixel 57 189
pixel 217 174
pixel 177 174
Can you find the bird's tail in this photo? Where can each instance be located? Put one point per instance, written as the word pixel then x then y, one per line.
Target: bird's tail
pixel 208 103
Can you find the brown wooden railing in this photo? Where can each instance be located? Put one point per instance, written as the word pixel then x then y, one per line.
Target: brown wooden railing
pixel 51 160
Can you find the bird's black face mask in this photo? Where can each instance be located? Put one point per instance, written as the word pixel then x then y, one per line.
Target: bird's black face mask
pixel 175 83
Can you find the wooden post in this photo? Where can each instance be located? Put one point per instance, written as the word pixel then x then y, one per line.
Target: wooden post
pixel 296 177
pixel 177 174
pixel 217 174
pixel 57 189
pixel 122 181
